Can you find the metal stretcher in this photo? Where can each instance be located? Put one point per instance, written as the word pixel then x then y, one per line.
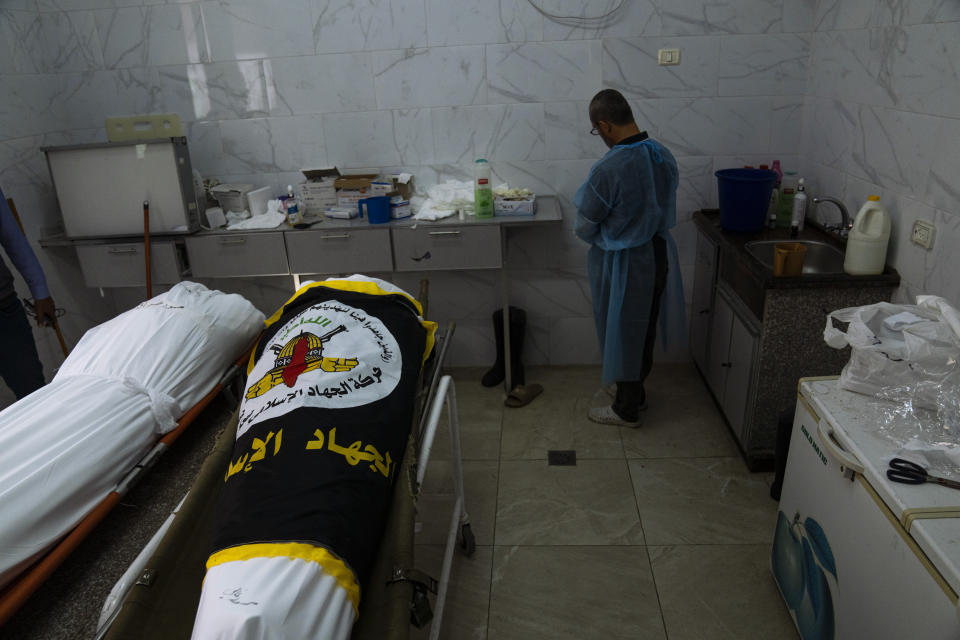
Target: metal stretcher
pixel 15 594
pixel 158 597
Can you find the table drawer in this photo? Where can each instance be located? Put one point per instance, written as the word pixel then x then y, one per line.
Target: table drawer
pixel 238 255
pixel 339 251
pixel 446 247
pixel 124 264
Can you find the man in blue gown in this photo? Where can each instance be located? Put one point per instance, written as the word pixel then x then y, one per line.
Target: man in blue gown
pixel 625 210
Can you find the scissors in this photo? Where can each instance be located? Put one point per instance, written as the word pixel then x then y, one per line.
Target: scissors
pixel 911 473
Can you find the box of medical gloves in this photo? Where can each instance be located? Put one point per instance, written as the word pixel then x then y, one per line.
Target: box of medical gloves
pixel 319 191
pixel 515 207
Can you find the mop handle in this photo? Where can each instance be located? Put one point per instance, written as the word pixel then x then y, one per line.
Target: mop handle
pixel 146 245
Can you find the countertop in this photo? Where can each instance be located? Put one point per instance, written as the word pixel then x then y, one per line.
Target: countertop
pixel 548 210
pixel 732 248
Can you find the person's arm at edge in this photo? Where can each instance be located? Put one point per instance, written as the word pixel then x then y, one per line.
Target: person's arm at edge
pixel 25 260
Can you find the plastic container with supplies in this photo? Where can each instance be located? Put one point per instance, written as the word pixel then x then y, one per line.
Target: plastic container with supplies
pixel 257 199
pixel 377 209
pixel 482 192
pixel 744 196
pixel 868 239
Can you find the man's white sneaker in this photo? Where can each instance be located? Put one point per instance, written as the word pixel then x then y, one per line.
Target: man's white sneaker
pixel 611 390
pixel 606 415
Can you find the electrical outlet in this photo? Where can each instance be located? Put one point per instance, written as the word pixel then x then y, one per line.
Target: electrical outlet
pixel 923 233
pixel 668 57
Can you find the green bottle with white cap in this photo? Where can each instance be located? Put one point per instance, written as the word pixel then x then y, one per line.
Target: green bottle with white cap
pixel 482 191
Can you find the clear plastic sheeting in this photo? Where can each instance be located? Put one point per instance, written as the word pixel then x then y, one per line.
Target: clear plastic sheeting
pixel 907 356
pixel 66 446
pixel 908 353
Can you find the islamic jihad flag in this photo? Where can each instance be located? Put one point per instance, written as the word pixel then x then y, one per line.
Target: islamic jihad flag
pixel 323 424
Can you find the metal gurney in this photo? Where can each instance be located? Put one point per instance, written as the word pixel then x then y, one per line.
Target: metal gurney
pixel 163 603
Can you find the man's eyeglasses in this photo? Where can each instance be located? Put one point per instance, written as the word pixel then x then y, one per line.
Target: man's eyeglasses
pixel 594 132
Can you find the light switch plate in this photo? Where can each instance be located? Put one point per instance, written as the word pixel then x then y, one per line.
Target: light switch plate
pixel 668 57
pixel 923 233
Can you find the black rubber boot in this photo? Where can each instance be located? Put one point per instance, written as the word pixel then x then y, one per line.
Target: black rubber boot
pixel 518 329
pixel 518 326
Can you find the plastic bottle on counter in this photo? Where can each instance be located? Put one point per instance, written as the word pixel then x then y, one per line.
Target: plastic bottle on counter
pixel 787 191
pixel 777 170
pixel 799 208
pixel 774 205
pixel 292 206
pixel 868 239
pixel 482 191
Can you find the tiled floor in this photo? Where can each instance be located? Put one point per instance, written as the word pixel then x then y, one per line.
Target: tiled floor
pixel 657 532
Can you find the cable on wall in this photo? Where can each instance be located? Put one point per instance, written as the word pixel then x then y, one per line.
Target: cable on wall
pixel 580 21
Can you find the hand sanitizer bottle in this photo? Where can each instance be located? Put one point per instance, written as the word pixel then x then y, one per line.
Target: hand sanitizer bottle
pixel 799 208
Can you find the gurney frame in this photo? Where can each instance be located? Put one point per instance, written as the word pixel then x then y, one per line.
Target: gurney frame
pixel 397 595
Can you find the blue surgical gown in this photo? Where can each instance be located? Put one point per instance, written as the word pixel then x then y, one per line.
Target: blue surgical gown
pixel 628 198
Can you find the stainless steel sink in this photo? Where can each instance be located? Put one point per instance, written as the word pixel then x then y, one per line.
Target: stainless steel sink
pixel 820 257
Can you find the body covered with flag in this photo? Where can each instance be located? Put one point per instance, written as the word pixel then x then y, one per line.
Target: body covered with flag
pixel 328 404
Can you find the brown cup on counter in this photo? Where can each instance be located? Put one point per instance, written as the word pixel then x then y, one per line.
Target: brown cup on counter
pixel 788 258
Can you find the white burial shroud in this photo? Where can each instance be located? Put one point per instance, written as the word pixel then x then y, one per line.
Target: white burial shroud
pixel 66 446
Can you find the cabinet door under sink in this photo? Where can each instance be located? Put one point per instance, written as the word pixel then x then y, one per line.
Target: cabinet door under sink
pixel 731 362
pixel 737 392
pixel 703 283
pixel 719 349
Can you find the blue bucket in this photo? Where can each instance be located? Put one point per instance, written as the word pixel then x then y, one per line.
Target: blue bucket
pixel 744 196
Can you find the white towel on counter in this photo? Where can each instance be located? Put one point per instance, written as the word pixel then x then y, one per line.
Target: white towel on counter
pixel 274 217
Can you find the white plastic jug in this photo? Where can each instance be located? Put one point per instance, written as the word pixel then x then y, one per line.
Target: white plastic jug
pixel 867 242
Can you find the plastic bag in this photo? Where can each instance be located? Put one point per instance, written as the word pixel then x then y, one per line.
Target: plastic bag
pixel 906 353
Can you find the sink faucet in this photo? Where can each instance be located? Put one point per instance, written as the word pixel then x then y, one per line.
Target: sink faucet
pixel 845 224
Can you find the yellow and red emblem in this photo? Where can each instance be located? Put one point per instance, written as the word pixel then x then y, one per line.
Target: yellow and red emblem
pixel 302 353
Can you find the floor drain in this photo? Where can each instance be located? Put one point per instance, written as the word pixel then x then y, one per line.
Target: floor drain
pixel 565 458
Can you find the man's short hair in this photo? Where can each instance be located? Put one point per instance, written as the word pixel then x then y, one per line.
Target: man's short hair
pixel 610 106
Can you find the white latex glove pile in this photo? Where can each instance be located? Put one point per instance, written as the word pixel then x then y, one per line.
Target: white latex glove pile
pixel 444 200
pixel 516 193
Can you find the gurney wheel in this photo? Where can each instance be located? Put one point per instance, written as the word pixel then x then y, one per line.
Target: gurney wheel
pixel 468 544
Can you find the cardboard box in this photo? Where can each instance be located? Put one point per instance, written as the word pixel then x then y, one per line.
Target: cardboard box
pixel 323 176
pixel 381 188
pixel 314 205
pixel 350 197
pixel 354 181
pixel 232 197
pixel 405 187
pixel 400 210
pixel 318 192
pixel 525 207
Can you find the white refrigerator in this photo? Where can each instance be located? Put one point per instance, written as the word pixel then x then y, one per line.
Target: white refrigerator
pixel 856 556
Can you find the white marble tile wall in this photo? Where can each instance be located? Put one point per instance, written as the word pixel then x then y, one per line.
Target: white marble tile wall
pixel 881 117
pixel 264 89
